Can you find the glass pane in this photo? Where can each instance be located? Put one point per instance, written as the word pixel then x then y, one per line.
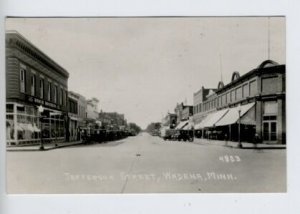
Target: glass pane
pixel 266 131
pixel 273 127
pixel 273 136
pixel 9 108
pixel 9 127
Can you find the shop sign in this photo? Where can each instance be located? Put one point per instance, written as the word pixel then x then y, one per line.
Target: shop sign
pixel 39 101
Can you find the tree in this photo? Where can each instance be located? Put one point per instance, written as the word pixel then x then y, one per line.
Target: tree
pixel 134 127
pixel 153 128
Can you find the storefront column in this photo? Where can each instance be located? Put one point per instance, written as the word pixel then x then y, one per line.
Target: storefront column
pixel 15 124
pixel 259 118
pixel 230 133
pixel 280 130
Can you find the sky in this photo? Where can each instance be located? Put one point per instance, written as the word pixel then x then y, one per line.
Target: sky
pixel 143 67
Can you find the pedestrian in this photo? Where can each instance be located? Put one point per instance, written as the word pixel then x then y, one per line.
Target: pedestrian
pixel 226 139
pixel 256 140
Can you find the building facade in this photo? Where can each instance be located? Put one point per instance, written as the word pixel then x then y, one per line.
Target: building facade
pixel 92 112
pixel 112 120
pixel 36 94
pixel 169 121
pixel 73 128
pixel 249 104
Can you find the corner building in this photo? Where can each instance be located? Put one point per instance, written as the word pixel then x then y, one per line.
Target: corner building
pixel 255 101
pixel 32 80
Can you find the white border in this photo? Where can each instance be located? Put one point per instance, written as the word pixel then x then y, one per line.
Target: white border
pixel 164 203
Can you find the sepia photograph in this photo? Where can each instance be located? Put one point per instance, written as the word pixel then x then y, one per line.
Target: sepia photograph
pixel 190 104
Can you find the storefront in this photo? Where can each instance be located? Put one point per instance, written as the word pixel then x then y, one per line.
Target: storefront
pixel 25 125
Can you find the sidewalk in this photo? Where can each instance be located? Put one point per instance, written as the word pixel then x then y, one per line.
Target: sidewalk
pixel 232 144
pixel 48 146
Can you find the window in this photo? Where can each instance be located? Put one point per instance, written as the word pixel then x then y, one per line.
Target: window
pixel 228 97
pixel 22 78
pixel 245 90
pixel 42 88
pixel 271 108
pixel 239 93
pixel 62 97
pixel 33 84
pixel 270 85
pixel 224 99
pixel 253 88
pixel 232 96
pixel 55 94
pixel 61 94
pixel 66 97
pixel 49 92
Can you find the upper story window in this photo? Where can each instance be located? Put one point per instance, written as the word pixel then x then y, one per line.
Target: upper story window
pixel 42 88
pixel 239 93
pixel 253 88
pixel 55 94
pixel 49 91
pixel 61 94
pixel 33 84
pixel 22 78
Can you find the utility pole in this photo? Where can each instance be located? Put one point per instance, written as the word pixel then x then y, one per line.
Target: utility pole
pixel 269 38
pixel 220 57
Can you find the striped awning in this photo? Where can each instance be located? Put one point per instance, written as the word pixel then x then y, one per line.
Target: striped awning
pixel 182 124
pixel 232 116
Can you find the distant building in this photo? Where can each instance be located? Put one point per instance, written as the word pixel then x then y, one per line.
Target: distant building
pixel 199 98
pixel 33 82
pixel 112 120
pixel 92 112
pixel 255 100
pixel 170 120
pixel 183 112
pixel 77 115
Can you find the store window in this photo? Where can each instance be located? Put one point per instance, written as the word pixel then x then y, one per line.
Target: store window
pixel 22 78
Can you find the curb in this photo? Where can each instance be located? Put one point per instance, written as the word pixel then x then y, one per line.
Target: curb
pixel 23 148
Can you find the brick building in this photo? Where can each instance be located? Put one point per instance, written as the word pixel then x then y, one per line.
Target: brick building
pixel 36 87
pixel 183 112
pixel 253 103
pixel 170 121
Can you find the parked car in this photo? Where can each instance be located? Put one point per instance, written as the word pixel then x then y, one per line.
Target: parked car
pixel 184 135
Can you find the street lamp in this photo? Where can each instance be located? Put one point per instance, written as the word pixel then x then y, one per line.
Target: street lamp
pixel 239 127
pixel 41 110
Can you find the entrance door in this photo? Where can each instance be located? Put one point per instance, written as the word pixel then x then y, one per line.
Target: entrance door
pixel 270 131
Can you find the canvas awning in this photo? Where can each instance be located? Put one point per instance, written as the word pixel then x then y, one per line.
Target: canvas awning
pixel 189 126
pixel 232 116
pixel 73 118
pixel 212 119
pixel 182 124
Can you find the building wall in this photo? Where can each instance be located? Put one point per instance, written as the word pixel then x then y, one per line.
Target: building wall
pixel 170 120
pixel 22 116
pixel 32 67
pixel 266 87
pixel 199 98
